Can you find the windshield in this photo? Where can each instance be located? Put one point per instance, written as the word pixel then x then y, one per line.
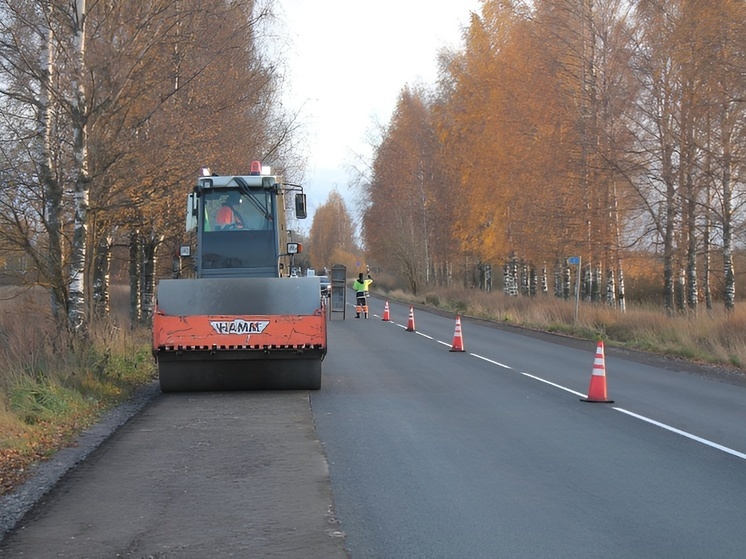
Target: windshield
pixel 238 234
pixel 234 211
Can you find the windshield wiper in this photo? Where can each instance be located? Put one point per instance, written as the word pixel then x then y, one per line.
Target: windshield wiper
pixel 244 186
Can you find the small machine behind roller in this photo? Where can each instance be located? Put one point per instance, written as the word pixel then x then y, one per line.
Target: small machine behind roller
pixel 242 323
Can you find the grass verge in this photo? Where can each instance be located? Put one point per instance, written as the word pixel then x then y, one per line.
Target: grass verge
pixel 49 395
pixel 713 338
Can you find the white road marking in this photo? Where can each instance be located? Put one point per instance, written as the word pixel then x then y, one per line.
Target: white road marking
pixel 490 361
pixel 555 385
pixel 684 434
pixel 707 442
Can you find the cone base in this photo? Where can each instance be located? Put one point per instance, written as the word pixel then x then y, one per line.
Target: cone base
pixel 457 350
pixel 595 401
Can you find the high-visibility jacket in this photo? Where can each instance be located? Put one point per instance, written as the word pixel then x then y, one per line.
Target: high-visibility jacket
pixel 361 288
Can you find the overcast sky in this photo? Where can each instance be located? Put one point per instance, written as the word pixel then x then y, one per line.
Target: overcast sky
pixel 348 61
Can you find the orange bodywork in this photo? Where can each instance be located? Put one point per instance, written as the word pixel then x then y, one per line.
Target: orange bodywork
pixel 235 332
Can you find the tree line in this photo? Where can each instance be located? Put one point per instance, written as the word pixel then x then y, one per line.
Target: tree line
pixel 603 129
pixel 107 111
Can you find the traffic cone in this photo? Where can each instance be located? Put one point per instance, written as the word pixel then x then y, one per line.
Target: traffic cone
pixel 386 313
pixel 458 341
pixel 410 324
pixel 597 388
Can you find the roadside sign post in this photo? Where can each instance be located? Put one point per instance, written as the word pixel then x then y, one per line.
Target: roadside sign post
pixel 576 261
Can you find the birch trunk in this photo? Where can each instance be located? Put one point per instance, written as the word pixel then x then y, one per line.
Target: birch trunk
pixel 728 272
pixel 681 290
pixel 77 308
pixel 101 277
pixel 707 252
pixel 617 244
pixel 610 288
pixel 596 282
pixel 134 273
pixel 51 187
pixel 533 281
pixel 690 203
pixel 584 285
pixel 147 283
pixel 622 293
pixel 692 289
pixel 706 230
pixel 544 281
pixel 668 233
pixel 558 281
pixel 567 282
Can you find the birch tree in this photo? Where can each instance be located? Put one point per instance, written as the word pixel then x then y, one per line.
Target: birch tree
pixel 128 100
pixel 79 119
pixel 33 139
pixel 398 224
pixel 725 83
pixel 477 161
pixel 332 234
pixel 688 117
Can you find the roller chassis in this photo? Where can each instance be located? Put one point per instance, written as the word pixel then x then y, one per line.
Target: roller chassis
pixel 239 324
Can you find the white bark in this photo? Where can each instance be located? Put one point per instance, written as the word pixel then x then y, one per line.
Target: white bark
pixel 44 162
pixel 77 308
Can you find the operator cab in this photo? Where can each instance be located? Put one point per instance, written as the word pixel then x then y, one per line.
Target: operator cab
pixel 238 225
pixel 241 224
pixel 238 237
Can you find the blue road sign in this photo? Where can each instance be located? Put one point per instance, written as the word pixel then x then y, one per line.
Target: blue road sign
pixel 573 260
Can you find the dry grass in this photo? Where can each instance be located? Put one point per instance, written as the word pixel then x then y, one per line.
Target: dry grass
pixel 714 338
pixel 50 389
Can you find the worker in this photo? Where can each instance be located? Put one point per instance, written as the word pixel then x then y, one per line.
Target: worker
pixel 228 215
pixel 361 294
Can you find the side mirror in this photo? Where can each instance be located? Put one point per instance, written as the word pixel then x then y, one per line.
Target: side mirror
pixel 300 206
pixel 295 248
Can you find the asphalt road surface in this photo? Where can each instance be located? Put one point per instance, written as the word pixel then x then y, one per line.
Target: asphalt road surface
pixel 410 450
pixel 490 453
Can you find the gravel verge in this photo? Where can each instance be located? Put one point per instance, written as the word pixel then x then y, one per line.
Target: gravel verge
pixel 45 475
